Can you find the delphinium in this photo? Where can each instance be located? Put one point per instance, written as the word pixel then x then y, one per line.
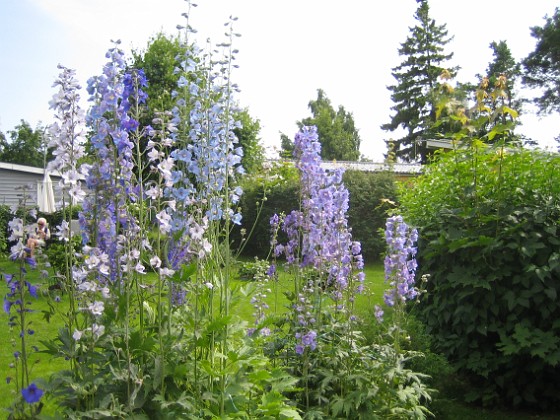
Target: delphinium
pixel 112 238
pixel 400 269
pixel 327 263
pixel 203 169
pixel 67 139
pixel 319 239
pixel 18 308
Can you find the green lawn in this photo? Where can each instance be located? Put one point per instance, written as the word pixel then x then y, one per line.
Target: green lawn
pixel 444 407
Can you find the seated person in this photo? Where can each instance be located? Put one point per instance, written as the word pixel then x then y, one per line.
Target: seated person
pixel 41 235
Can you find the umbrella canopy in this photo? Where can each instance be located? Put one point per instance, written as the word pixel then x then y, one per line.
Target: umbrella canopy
pixel 45 195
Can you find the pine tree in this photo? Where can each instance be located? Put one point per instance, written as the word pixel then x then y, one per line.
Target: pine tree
pixel 496 92
pixel 542 66
pixel 417 79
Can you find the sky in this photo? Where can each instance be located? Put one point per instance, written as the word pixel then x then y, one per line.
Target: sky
pixel 287 51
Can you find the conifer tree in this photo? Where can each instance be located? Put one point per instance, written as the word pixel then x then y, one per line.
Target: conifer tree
pixel 416 81
pixel 541 68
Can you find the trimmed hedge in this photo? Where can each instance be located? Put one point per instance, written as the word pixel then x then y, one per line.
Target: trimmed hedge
pixel 371 196
pixel 489 238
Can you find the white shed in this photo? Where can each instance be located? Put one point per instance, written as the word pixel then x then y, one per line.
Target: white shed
pixel 17 180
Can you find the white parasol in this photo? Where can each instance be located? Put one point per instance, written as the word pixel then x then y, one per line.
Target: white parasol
pixel 45 195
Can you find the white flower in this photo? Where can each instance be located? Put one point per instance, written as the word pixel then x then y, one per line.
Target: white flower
pixel 153 192
pixel 140 268
pixel 166 272
pixel 155 261
pixel 154 155
pixel 97 308
pixel 105 292
pixel 63 231
pixel 164 220
pixel 77 335
pixel 104 269
pixel 16 227
pixel 92 261
pixel 97 330
pixel 86 286
pixel 209 285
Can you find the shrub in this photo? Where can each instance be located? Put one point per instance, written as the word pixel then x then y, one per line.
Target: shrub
pixel 5 217
pixel 253 270
pixel 274 193
pixel 371 195
pixel 488 223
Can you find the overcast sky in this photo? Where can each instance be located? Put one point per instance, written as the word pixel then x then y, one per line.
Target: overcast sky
pixel 288 50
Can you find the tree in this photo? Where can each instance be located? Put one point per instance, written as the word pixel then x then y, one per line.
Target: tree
pixel 158 62
pixel 248 136
pixel 495 95
pixel 337 132
pixel 417 76
pixel 541 68
pixel 25 147
pixel 286 146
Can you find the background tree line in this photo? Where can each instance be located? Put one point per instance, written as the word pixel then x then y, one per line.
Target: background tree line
pixel 416 95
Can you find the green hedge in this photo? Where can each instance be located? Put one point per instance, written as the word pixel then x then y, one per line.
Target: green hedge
pixel 371 195
pixel 489 238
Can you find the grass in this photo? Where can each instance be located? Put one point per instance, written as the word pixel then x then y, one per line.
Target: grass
pixel 445 406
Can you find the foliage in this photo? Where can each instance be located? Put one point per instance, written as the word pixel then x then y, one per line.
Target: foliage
pixel 416 77
pixel 253 270
pixel 488 237
pixel 275 191
pixel 26 146
pixel 248 136
pixel 56 253
pixel 340 139
pixel 495 95
pixel 158 61
pixel 541 68
pixel 372 195
pixel 5 217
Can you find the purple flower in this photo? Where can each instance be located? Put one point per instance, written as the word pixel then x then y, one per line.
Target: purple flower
pixel 7 305
pixel 32 289
pixel 378 313
pixel 400 261
pixel 32 394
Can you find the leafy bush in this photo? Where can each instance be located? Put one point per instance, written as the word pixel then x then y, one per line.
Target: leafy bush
pixel 488 222
pixel 371 195
pixel 56 253
pixel 5 217
pixel 253 270
pixel 273 193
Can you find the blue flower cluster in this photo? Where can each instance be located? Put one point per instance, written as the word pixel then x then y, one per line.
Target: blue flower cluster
pixel 206 158
pixel 67 135
pixel 400 261
pixel 318 235
pixel 105 213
